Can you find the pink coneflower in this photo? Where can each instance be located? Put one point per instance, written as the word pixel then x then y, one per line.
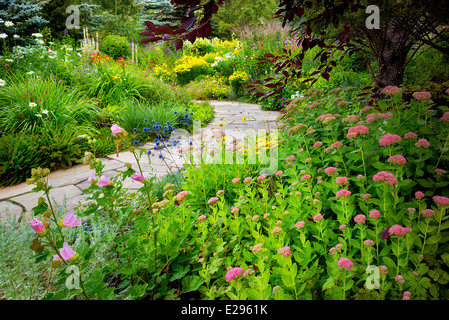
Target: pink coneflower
pixel 423 143
pixel 201 217
pixel 357 130
pixel 385 177
pixel 299 225
pixel 285 251
pixel 360 219
pixel 444 201
pixel 345 263
pixel 235 180
pixel 421 96
pixel 341 180
pixel 318 217
pixel 368 243
pixel 234 273
pixel 343 193
pixel 397 160
pixel 419 195
pixel 375 214
pixel 410 135
pixel 330 170
pixel 389 139
pixel 212 200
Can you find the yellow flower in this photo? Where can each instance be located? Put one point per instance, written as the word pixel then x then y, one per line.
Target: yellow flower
pixel 243 118
pixel 220 124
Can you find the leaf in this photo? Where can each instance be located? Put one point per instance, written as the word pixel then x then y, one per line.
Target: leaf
pixel 137 291
pixel 191 283
pixel 178 44
pixel 151 26
pixel 165 29
pixel 188 22
pixel 330 283
pixel 94 284
pixel 434 239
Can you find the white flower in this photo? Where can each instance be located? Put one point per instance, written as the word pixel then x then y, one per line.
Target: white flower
pixel 32 104
pixel 45 111
pixel 39 41
pixel 38 115
pixel 30 72
pixel 3 36
pixel 9 60
pixel 16 36
pixel 37 35
pixel 2 82
pixel 9 24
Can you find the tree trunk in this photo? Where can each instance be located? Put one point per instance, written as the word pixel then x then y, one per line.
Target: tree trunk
pixel 392 57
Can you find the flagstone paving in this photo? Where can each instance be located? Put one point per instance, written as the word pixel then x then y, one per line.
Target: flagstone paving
pixel 68 184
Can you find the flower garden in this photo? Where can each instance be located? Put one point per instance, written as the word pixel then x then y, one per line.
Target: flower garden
pixel 356 210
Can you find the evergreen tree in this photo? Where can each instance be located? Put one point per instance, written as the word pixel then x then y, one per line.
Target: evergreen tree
pixel 25 16
pixel 162 12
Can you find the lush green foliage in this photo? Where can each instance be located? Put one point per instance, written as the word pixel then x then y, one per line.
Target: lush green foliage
pixel 115 46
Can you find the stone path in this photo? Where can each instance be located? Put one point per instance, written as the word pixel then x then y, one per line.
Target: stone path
pixel 68 184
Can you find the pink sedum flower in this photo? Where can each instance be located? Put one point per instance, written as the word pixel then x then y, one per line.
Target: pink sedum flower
pixel 201 217
pixel 391 90
pixel 444 201
pixel 235 180
pixel 220 192
pixel 336 145
pixel 357 130
pixel 423 143
pixel 235 210
pixel 234 273
pixel 318 217
pixel 299 225
pixel 368 243
pixel 257 247
pixel 279 173
pixel 360 219
pixel 422 95
pixel 70 220
pixel 342 227
pixel 375 214
pixel 343 193
pixel 261 177
pixel 285 251
pixel 419 195
pixel 397 230
pixel 385 177
pixel 427 212
pixel 276 230
pixel 247 179
pixel 399 279
pixel 345 263
pixel 306 177
pixel 37 226
pixel 290 158
pixel 341 180
pixel 330 170
pixel 410 135
pixel 397 160
pixel 389 139
pixel 212 200
pixel 317 144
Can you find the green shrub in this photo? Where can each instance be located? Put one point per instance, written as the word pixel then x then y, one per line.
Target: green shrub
pixel 202 111
pixel 115 46
pixel 18 155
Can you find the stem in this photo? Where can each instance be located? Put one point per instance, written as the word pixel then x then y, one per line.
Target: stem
pixel 344 285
